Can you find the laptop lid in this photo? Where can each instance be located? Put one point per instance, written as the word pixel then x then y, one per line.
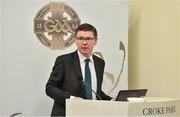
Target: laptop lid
pixel 123 95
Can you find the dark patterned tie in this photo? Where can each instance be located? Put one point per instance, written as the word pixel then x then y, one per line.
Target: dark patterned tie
pixel 88 92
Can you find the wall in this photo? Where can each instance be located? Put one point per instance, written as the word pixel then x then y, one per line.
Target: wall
pixel 26 63
pixel 178 45
pixel 178 41
pixel 154 46
pixel 1 98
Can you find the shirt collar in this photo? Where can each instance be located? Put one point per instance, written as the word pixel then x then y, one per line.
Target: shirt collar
pixel 82 58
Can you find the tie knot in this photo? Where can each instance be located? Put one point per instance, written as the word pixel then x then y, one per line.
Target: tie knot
pixel 87 60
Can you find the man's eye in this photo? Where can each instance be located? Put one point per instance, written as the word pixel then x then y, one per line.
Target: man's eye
pixel 88 38
pixel 80 38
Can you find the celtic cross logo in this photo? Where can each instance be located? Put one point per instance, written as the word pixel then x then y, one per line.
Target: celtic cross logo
pixel 55 25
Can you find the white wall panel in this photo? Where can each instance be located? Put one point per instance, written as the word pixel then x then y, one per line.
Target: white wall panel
pixel 1 88
pixel 27 63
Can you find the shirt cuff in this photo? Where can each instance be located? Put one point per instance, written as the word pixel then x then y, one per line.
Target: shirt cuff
pixel 72 97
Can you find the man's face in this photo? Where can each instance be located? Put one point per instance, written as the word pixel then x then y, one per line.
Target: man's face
pixel 85 42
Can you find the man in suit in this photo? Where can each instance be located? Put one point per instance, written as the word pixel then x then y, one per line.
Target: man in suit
pixel 75 77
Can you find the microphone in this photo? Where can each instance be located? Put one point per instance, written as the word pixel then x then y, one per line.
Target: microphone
pixel 91 89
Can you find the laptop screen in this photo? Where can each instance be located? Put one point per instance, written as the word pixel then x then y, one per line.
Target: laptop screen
pixel 123 95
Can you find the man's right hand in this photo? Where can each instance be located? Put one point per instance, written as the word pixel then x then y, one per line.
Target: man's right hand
pixel 76 98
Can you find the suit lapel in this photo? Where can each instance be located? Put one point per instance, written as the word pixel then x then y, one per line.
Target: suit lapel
pixel 98 68
pixel 76 66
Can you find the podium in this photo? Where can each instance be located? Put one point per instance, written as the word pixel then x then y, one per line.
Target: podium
pixel 150 107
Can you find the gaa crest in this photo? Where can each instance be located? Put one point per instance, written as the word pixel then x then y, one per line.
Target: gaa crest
pixel 55 25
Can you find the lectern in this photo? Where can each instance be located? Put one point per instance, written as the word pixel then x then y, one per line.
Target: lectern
pixel 149 107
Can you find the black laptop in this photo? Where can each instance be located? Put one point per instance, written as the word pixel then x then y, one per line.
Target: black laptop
pixel 123 95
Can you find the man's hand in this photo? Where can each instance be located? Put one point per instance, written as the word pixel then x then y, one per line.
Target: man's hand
pixel 76 98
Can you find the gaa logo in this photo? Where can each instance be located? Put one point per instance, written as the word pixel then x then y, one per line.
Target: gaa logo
pixel 55 25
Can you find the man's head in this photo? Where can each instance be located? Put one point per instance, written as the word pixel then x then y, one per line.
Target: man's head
pixel 86 39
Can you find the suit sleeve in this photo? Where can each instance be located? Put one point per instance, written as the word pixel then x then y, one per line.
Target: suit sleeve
pixel 102 94
pixel 54 84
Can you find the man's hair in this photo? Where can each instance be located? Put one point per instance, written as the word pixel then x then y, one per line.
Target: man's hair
pixel 87 27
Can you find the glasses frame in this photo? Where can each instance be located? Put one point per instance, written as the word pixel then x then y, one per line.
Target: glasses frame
pixel 85 39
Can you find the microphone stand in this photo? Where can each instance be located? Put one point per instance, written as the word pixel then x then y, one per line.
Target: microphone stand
pixel 92 90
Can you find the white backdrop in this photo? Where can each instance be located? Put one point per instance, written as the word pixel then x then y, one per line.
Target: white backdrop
pixel 26 63
pixel 0 65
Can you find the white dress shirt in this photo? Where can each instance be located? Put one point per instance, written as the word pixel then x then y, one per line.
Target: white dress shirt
pixel 93 72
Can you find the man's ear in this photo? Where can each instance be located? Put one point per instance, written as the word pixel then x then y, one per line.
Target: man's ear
pixel 96 39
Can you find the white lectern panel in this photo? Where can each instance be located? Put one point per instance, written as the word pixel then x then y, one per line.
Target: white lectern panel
pixel 95 108
pixel 150 107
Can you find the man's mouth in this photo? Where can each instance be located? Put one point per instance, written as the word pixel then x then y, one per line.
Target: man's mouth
pixel 84 48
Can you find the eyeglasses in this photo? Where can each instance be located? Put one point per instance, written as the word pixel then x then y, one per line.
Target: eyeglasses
pixel 85 39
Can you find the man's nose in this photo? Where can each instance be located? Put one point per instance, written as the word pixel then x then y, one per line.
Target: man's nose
pixel 84 41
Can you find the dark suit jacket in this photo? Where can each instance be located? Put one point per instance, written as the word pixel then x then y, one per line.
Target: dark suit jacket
pixel 66 80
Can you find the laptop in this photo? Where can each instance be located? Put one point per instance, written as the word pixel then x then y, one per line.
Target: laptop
pixel 123 95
